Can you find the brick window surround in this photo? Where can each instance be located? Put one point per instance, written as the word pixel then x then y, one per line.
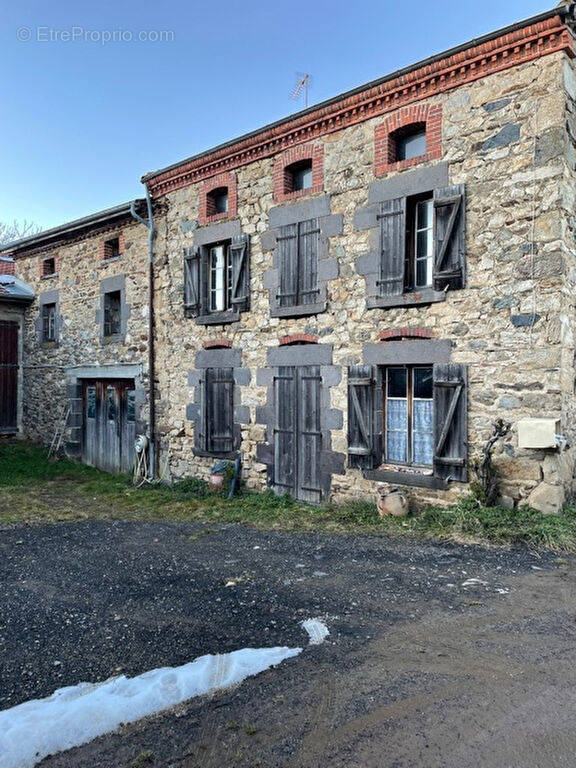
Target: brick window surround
pixel 220 343
pixel 46 266
pixel 282 178
pixel 425 115
pixel 7 266
pixel 206 213
pixel 105 249
pixel 298 338
pixel 398 334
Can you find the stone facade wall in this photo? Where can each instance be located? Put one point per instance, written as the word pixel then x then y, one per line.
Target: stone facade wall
pixel 76 287
pixel 503 137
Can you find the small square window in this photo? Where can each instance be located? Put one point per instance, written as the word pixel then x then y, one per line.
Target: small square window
pixel 112 313
pixel 217 201
pixel 112 248
pixel 48 266
pixel 48 323
pixel 299 175
pixel 411 143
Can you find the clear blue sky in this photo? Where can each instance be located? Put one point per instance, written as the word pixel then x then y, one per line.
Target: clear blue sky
pixel 81 121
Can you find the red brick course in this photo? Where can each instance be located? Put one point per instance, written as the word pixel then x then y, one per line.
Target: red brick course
pixel 429 116
pixel 395 334
pixel 298 338
pixel 206 214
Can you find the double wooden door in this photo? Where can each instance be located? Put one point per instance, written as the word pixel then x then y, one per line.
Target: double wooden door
pixel 8 376
pixel 109 424
pixel 298 435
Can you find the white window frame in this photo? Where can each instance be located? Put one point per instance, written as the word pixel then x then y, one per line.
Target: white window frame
pixel 219 278
pixel 410 431
pixel 428 256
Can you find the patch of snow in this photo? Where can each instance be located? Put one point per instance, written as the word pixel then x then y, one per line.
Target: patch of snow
pixel 317 630
pixel 79 713
pixel 474 583
pixel 502 590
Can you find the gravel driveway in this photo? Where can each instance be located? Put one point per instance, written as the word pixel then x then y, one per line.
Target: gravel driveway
pixel 425 664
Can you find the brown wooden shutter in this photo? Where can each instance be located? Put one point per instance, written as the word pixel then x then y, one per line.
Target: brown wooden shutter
pixel 287 256
pixel 392 218
pixel 285 448
pixel 192 303
pixel 308 239
pixel 449 237
pixel 363 443
pixel 240 258
pixel 450 422
pixel 220 410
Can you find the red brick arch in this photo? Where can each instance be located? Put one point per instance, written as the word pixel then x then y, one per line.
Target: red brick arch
pixel 429 115
pixel 298 338
pixel 399 334
pixel 205 214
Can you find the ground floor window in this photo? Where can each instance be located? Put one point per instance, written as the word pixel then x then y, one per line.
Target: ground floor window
pixel 409 415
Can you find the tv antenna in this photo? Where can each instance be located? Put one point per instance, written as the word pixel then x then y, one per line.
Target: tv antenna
pixel 301 87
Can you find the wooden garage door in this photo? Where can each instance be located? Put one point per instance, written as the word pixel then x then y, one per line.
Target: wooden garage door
pixel 109 427
pixel 8 376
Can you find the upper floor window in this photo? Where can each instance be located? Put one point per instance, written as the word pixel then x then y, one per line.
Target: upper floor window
pixel 410 142
pixel 112 248
pixel 49 322
pixel 112 313
pixel 299 176
pixel 217 280
pixel 48 266
pixel 217 201
pixel 298 263
pixel 422 244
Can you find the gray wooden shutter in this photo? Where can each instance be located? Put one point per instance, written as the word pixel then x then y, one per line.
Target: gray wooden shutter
pixel 240 257
pixel 285 449
pixel 363 443
pixel 308 240
pixel 449 237
pixel 310 433
pixel 220 410
pixel 287 260
pixel 450 422
pixel 392 218
pixel 201 426
pixel 192 281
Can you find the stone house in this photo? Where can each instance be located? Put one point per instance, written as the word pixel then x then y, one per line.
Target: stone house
pixel 347 298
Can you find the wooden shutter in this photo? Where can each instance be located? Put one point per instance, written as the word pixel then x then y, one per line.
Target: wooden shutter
pixel 285 448
pixel 392 218
pixel 309 433
pixel 287 260
pixel 307 269
pixel 219 404
pixel 192 295
pixel 362 442
pixel 240 258
pixel 449 237
pixel 450 422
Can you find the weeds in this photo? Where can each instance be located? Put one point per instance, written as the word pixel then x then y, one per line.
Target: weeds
pixel 35 490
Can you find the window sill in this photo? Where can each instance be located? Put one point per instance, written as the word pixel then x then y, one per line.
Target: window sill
pixel 51 276
pixel 214 455
pixel 218 318
pixel 111 260
pixel 115 339
pixel 413 298
pixel 285 197
pixel 414 479
pixel 300 310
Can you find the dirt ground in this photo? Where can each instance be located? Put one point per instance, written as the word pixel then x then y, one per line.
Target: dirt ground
pixel 419 669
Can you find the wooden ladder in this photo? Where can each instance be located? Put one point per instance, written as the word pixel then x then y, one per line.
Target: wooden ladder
pixel 59 432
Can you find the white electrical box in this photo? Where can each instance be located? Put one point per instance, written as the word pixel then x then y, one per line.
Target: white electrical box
pixel 538 433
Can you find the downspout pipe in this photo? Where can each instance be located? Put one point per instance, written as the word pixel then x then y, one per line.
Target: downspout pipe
pixel 149 224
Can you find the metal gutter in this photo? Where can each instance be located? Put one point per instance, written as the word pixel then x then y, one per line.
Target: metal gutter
pixel 73 226
pixel 563 11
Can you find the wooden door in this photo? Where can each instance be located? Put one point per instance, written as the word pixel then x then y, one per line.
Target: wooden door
pixel 298 437
pixel 109 425
pixel 8 376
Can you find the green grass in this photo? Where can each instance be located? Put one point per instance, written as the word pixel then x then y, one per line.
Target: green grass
pixel 34 490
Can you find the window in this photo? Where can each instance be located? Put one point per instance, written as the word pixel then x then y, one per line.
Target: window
pixel 298 262
pixel 409 416
pixel 112 313
pixel 217 433
pixel 217 280
pixel 220 277
pixel 217 201
pixel 410 142
pixel 49 322
pixel 112 248
pixel 48 266
pixel 299 176
pixel 422 246
pixel 91 402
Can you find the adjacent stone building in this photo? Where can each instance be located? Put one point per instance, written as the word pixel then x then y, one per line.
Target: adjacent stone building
pixel 348 298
